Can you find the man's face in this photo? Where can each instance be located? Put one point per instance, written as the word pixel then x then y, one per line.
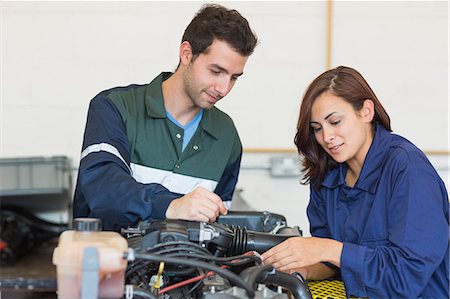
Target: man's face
pixel 212 74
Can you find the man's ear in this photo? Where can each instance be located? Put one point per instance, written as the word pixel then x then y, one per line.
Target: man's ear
pixel 367 111
pixel 185 53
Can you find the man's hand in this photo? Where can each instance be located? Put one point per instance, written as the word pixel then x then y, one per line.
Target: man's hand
pixel 199 205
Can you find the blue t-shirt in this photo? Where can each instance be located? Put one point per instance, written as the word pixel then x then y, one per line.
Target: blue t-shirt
pixel 393 223
pixel 189 129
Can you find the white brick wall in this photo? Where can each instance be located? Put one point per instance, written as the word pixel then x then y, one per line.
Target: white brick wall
pixel 56 56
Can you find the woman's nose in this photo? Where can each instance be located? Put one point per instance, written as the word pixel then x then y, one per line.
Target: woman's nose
pixel 328 135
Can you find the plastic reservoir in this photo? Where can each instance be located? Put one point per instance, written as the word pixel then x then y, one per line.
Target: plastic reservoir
pixel 68 258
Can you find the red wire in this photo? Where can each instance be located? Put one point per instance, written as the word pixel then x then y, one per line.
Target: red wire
pixel 188 281
pixel 200 277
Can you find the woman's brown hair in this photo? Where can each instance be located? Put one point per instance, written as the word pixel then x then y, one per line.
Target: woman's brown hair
pixel 348 84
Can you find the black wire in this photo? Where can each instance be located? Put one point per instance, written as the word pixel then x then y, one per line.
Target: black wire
pixel 196 286
pixel 202 265
pixel 139 265
pixel 219 259
pixel 173 243
pixel 181 251
pixel 245 259
pixel 136 267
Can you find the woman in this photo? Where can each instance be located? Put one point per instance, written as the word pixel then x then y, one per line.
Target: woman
pixel 378 210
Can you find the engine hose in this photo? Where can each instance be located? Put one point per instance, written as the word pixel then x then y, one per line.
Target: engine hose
pixel 268 275
pixel 244 240
pixel 256 274
pixel 239 243
pixel 298 287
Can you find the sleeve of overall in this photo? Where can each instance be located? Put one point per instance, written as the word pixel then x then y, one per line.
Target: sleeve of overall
pixel 228 181
pixel 316 212
pixel 418 236
pixel 105 178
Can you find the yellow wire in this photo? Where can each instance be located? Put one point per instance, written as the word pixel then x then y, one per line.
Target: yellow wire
pixel 157 284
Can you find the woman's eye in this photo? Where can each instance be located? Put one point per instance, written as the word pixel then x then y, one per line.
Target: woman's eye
pixel 215 72
pixel 315 130
pixel 334 123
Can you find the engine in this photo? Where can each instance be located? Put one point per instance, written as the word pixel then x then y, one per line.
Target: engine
pixel 188 259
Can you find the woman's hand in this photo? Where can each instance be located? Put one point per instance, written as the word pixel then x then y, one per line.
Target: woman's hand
pixel 315 272
pixel 298 252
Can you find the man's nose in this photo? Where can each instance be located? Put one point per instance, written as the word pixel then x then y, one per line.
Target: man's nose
pixel 223 86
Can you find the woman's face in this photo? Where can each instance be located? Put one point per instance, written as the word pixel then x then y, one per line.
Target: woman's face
pixel 345 134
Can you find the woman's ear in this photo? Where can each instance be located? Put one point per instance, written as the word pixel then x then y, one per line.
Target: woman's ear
pixel 367 111
pixel 185 53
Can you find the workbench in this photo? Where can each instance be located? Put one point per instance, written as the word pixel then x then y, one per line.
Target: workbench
pixel 31 276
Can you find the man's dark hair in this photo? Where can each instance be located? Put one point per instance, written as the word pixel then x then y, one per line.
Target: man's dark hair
pixel 214 21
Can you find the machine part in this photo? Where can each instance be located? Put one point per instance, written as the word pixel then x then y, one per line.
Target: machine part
pixel 132 292
pixel 237 293
pixel 268 275
pixel 218 238
pixel 20 232
pixel 187 246
pixel 90 271
pixel 197 264
pixel 87 253
pixel 87 224
pixel 253 220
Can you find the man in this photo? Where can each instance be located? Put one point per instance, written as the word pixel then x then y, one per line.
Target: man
pixel 162 149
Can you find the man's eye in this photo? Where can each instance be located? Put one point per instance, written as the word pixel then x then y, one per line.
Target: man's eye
pixel 215 72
